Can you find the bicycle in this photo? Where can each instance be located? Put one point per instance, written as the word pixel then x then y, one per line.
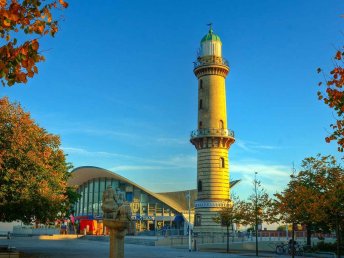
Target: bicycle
pixel 298 249
pixel 282 248
pixel 285 248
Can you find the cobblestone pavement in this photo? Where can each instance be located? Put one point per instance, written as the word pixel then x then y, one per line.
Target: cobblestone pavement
pixel 77 248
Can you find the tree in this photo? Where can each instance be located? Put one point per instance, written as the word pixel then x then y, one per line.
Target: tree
pixel 33 169
pixel 334 98
pixel 315 196
pixel 32 18
pixel 257 208
pixel 229 215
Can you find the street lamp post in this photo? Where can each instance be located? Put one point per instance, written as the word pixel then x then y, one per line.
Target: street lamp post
pixel 256 210
pixel 188 196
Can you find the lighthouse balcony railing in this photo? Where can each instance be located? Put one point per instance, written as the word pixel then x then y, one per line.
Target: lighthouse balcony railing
pixel 210 60
pixel 212 132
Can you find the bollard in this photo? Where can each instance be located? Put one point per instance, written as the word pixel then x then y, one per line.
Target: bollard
pixel 195 245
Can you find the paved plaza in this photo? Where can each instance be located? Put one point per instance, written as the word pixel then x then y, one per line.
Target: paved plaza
pixel 79 248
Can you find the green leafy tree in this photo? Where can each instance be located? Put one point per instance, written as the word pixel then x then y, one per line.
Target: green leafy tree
pixel 233 213
pixel 33 169
pixel 257 208
pixel 22 25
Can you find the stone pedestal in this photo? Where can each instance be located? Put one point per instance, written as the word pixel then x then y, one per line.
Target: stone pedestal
pixel 118 230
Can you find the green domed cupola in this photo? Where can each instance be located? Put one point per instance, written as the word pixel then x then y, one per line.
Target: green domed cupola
pixel 211 44
pixel 211 36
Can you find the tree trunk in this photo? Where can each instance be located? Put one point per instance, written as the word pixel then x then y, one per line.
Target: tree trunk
pixel 337 236
pixel 227 238
pixel 293 241
pixel 232 232
pixel 256 239
pixel 309 235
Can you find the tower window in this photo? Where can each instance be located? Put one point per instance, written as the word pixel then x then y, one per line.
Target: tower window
pixel 200 104
pixel 198 220
pixel 222 162
pixel 200 84
pixel 199 186
pixel 221 124
pixel 200 125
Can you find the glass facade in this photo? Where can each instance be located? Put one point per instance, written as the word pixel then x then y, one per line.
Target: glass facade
pixel 148 212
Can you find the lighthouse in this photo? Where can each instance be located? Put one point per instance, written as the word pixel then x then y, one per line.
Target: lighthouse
pixel 212 138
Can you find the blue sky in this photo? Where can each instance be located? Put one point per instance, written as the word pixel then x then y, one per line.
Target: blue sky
pixel 118 86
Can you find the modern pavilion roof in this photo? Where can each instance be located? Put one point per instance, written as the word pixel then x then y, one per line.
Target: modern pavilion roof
pixel 176 200
pixel 81 175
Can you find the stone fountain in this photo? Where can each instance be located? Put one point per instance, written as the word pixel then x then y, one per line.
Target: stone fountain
pixel 116 217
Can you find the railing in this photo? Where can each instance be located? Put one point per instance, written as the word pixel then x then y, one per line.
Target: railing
pixel 210 61
pixel 212 132
pixel 18 230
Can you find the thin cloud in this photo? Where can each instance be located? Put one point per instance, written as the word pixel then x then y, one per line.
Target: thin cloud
pixel 84 152
pixel 273 177
pixel 133 137
pixel 250 146
pixel 138 163
pixel 111 133
pixel 182 161
pixel 135 168
pixel 266 147
pixel 266 170
pixel 172 141
pixel 172 163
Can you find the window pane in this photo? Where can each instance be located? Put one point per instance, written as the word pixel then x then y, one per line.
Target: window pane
pixel 101 190
pixel 114 184
pixel 96 197
pixel 129 197
pixel 81 199
pixel 85 199
pixel 90 197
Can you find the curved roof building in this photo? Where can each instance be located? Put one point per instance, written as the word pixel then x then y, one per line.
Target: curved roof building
pixel 151 211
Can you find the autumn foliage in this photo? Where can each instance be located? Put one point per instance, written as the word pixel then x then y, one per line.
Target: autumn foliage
pixel 33 169
pixel 22 24
pixel 334 98
pixel 314 196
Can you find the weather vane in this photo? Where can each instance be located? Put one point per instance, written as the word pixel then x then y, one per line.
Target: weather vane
pixel 210 26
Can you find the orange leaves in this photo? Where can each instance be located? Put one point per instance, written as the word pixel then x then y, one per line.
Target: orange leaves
pixel 312 195
pixel 19 63
pixel 338 55
pixel 21 77
pixel 29 17
pixel 6 23
pixel 334 98
pixel 63 3
pixel 33 165
pixel 35 45
pixel 3 3
pixel 14 17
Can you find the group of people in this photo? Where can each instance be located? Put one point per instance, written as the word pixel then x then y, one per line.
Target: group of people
pixel 69 228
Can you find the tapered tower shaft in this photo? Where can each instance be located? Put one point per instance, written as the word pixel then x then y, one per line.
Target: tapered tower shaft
pixel 212 139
